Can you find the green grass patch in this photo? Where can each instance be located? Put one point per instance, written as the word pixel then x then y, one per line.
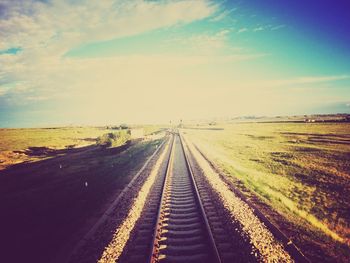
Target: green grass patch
pixel 113 139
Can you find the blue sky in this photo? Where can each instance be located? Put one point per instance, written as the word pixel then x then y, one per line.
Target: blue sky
pixel 100 62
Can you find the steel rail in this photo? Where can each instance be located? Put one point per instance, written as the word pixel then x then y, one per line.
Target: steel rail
pixel 153 257
pixel 157 229
pixel 211 237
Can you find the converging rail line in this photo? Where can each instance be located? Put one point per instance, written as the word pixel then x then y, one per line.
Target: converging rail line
pixel 182 232
pixel 185 218
pixel 183 221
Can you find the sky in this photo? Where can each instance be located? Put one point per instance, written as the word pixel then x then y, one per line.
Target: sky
pixel 74 62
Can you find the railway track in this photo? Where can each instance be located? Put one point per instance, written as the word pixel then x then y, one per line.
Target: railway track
pixel 189 215
pixel 181 222
pixel 182 232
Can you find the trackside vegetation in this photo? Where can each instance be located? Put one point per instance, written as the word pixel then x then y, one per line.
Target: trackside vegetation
pixel 113 139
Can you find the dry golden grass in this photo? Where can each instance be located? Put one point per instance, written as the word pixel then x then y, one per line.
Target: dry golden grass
pixel 300 169
pixel 57 138
pixel 270 249
pixel 14 142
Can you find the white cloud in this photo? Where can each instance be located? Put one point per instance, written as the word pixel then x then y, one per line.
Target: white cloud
pixel 278 27
pixel 61 23
pixel 204 43
pixel 259 28
pixel 222 15
pixel 244 29
pixel 46 31
pixel 95 87
pixel 305 80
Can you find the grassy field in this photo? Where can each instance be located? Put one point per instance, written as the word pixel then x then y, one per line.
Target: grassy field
pixel 302 170
pixel 15 142
pixel 153 129
pixel 57 138
pixel 44 202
